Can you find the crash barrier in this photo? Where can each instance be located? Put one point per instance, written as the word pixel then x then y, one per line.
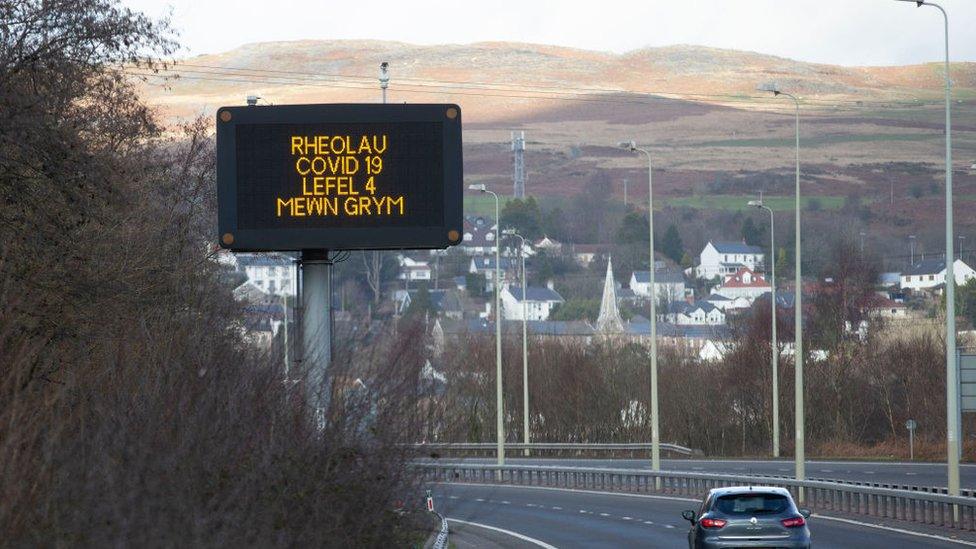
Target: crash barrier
pixel 913 506
pixel 552 448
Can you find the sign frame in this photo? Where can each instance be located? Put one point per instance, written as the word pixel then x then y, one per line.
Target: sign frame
pixel 439 235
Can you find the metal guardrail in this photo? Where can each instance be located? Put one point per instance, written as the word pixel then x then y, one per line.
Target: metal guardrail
pixel 821 496
pixel 489 447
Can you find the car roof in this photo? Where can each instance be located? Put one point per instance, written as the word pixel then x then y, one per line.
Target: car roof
pixel 736 490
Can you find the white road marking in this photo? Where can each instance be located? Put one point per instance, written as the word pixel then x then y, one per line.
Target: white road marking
pixel 480 500
pixel 557 508
pixel 648 522
pixel 826 470
pixel 669 526
pixel 506 503
pixel 627 518
pixel 869 472
pixel 897 530
pixel 784 470
pixel 452 497
pixel 530 505
pixel 522 537
pixel 604 514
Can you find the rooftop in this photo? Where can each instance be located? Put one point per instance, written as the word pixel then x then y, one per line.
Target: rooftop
pixel 736 248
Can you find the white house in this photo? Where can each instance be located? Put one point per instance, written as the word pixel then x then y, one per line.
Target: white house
pixel 272 273
pixel 701 313
pixel 485 266
pixel 713 351
pixel 549 245
pixel 670 285
pixel 930 273
pixel 478 237
pixel 744 283
pixel 725 258
pixel 726 304
pixel 412 269
pixel 538 302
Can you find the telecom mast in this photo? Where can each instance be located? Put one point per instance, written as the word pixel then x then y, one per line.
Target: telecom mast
pixel 518 147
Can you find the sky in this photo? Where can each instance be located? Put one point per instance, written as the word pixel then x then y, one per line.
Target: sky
pixel 844 32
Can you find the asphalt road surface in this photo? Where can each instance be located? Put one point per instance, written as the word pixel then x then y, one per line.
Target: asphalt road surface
pixel 541 517
pixel 912 474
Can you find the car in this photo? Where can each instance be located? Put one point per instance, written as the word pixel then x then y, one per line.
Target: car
pixel 748 516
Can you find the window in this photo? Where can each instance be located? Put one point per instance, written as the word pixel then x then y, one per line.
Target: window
pixel 751 504
pixel 931 277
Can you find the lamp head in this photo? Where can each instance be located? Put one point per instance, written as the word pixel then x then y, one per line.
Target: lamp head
pixel 629 145
pixel 384 74
pixel 478 187
pixel 509 232
pixel 756 203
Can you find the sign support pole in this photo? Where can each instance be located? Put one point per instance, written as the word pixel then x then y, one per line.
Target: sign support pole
pixel 317 330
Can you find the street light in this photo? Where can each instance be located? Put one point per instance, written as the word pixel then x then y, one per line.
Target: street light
pixel 952 389
pixel 775 343
pixel 500 420
pixel 797 305
pixel 525 342
pixel 655 422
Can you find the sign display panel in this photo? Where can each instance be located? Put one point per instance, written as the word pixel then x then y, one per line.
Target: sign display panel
pixel 337 177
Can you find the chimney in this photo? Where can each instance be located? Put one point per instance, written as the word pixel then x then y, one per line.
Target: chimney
pixel 550 284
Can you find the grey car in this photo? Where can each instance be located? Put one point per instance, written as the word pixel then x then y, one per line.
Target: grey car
pixel 748 516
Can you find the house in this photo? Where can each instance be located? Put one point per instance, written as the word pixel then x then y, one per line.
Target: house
pixel 538 302
pixel 728 304
pixel 272 273
pixel 478 237
pixel 549 245
pixel 930 273
pixel 719 259
pixel 670 284
pixel 485 266
pixel 412 269
pixel 713 350
pixel 744 283
pixel 881 306
pixel 701 313
pixel 584 254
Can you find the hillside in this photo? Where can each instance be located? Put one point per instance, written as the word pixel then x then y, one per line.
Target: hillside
pixel 875 133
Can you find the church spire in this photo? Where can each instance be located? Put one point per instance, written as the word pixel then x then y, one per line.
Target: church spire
pixel 609 320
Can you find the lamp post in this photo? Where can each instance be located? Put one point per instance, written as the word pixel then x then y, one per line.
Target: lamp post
pixel 525 342
pixel 797 309
pixel 775 345
pixel 655 420
pixel 952 387
pixel 499 405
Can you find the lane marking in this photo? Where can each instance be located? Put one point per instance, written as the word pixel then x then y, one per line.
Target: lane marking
pixel 480 500
pixel 627 518
pixel 675 498
pixel 648 522
pixel 897 530
pixel 452 497
pixel 516 535
pixel 554 508
pixel 604 514
pixel 506 503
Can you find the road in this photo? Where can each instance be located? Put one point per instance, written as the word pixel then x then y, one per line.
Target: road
pixel 566 519
pixel 913 474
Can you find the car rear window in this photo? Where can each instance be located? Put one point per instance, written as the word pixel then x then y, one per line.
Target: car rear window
pixel 751 504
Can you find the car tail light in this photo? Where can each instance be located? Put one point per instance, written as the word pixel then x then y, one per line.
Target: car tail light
pixel 794 522
pixel 712 523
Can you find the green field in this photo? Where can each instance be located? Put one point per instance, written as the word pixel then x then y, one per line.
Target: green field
pixel 737 202
pixel 484 205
